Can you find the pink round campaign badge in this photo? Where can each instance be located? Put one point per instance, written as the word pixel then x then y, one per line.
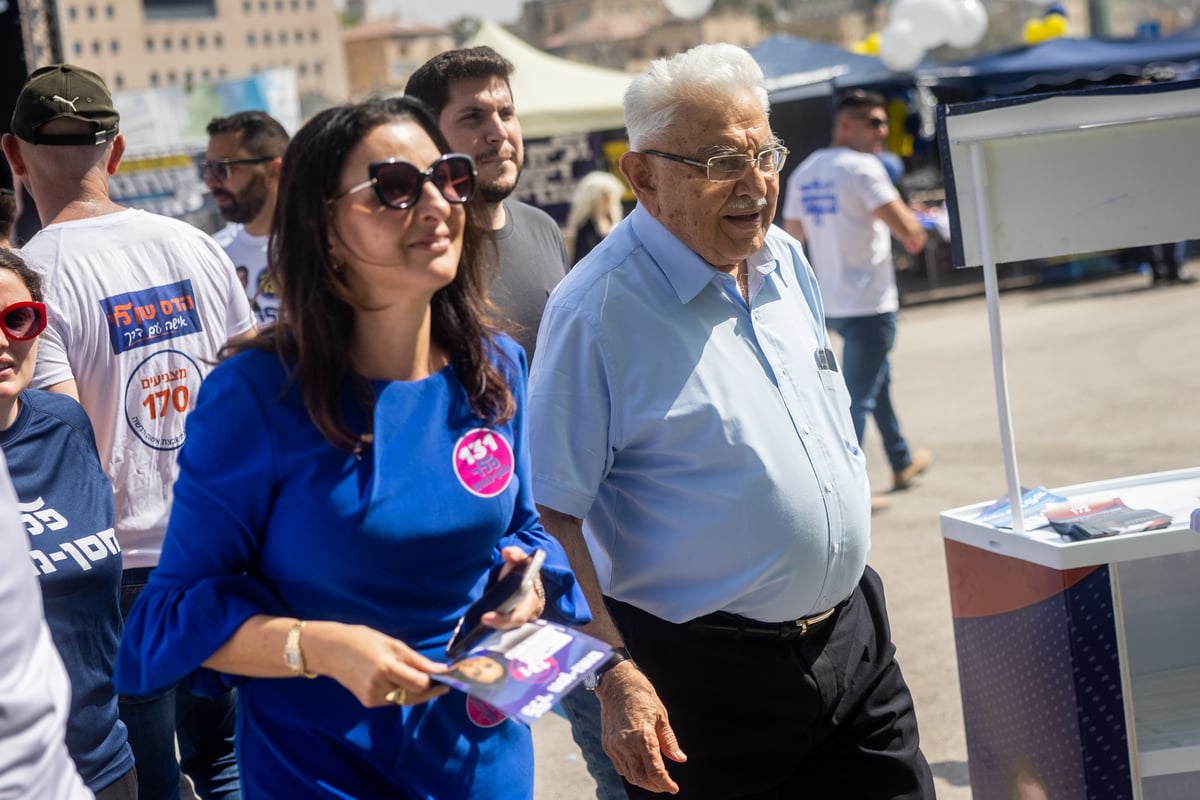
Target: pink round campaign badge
pixel 482 714
pixel 483 462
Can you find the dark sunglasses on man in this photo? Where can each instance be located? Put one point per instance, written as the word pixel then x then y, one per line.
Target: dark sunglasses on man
pixel 220 169
pixel 398 184
pixel 23 321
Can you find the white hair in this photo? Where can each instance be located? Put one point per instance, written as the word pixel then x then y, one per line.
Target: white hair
pixel 715 73
pixel 587 190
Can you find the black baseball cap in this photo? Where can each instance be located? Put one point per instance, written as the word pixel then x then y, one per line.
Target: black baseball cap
pixel 64 91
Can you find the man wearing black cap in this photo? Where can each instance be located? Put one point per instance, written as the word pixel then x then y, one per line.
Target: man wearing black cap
pixel 139 306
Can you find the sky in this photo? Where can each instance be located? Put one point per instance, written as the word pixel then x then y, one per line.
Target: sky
pixel 442 11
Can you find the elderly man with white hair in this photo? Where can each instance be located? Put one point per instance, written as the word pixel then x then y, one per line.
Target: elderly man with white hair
pixel 694 453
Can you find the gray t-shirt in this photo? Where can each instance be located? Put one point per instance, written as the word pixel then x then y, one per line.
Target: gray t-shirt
pixel 533 259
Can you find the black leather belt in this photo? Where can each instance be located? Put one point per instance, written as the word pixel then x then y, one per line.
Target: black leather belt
pixel 735 627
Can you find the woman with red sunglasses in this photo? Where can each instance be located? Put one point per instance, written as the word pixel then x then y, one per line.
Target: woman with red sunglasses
pixel 66 502
pixel 352 480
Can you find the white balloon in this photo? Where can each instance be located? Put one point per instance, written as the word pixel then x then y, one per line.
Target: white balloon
pixel 931 20
pixel 971 24
pixel 688 9
pixel 899 48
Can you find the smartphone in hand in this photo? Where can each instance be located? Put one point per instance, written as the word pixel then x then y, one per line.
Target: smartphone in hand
pixel 503 596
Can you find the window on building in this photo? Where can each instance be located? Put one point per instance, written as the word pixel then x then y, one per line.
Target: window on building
pixel 201 41
pixel 206 75
pixel 97 48
pixel 266 38
pixel 251 39
pixel 189 81
pixel 218 41
pixel 72 12
pixel 318 67
pixel 312 35
pixel 166 44
pixel 157 10
pixel 109 12
pixel 114 46
pixel 119 81
pixel 149 45
pixel 91 12
pixel 183 43
pixel 153 78
pixel 246 6
pixel 77 48
pixel 222 72
pixel 283 37
pixel 171 78
pixel 302 68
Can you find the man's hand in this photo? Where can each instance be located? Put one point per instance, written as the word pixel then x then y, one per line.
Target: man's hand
pixel 635 730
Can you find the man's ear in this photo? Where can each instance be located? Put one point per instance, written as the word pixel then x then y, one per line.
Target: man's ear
pixel 12 151
pixel 642 180
pixel 114 157
pixel 273 168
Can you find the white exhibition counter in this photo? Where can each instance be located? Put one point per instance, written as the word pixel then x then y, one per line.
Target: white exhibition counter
pixel 1080 661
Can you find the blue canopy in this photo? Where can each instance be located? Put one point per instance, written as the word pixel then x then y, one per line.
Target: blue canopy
pixel 1058 62
pixel 789 62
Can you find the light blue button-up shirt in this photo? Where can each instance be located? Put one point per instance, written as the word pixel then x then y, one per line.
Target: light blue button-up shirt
pixel 705 442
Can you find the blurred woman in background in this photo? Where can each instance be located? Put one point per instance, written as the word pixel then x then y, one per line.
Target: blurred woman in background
pixel 595 209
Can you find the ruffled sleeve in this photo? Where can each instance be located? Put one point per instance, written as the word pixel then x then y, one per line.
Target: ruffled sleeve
pixel 201 592
pixel 565 602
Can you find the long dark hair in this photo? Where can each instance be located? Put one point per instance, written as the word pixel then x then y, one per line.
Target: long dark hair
pixel 317 306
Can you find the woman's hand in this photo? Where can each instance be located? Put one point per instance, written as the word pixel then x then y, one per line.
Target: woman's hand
pixel 374 667
pixel 530 607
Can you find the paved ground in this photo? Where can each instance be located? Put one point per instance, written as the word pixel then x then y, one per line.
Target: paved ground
pixel 1103 382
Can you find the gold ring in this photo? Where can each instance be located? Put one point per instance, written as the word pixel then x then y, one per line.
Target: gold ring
pixel 397 696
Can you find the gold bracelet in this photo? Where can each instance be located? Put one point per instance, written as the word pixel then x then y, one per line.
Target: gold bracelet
pixel 540 590
pixel 293 656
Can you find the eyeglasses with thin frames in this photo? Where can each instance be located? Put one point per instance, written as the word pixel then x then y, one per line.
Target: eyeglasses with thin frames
pixel 732 167
pixel 874 122
pixel 220 169
pixel 23 321
pixel 398 183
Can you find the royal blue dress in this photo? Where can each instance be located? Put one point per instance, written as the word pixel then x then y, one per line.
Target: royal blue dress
pixel 270 519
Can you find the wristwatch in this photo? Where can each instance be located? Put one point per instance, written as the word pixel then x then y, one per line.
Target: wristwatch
pixel 292 655
pixel 592 679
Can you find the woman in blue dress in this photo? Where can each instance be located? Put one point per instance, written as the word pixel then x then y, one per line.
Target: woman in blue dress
pixel 351 481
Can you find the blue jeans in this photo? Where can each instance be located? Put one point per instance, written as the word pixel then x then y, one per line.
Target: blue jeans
pixel 866 344
pixel 205 727
pixel 582 709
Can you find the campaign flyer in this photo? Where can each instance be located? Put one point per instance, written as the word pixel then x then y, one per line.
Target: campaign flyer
pixel 523 672
pixel 1077 521
pixel 1033 503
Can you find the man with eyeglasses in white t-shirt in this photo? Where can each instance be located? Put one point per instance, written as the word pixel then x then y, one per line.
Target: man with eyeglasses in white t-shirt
pixel 842 205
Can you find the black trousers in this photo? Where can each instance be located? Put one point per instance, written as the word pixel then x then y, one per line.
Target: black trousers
pixel 826 716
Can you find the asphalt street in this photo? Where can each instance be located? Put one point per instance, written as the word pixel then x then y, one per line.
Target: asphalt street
pixel 1103 381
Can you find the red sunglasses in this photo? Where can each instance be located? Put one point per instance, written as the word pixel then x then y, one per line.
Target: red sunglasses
pixel 23 321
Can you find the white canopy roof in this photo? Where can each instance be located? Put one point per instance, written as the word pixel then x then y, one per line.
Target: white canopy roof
pixel 554 95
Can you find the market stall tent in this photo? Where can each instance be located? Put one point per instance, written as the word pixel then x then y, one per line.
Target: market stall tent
pixel 1063 61
pixel 553 95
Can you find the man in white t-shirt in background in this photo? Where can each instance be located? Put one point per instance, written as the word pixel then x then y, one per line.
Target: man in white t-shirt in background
pixel 841 203
pixel 139 306
pixel 241 169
